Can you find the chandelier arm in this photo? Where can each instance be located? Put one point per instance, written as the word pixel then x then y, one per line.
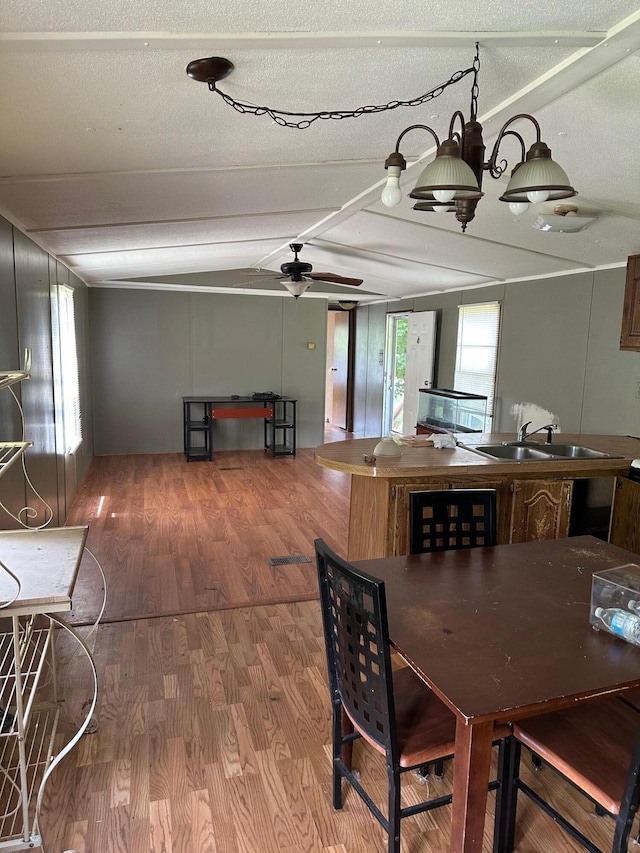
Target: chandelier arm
pixel 396 158
pixel 457 115
pixel 496 169
pixel 417 127
pixel 491 162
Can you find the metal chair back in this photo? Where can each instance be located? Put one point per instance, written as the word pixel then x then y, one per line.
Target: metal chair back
pixel 450 519
pixel 354 614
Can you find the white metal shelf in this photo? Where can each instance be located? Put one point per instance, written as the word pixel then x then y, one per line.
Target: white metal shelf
pixel 11 377
pixel 38 570
pixel 19 794
pixel 46 562
pixel 10 451
pixel 33 644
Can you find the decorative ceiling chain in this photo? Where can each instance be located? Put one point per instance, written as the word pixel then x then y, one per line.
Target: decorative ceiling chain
pixel 474 88
pixel 281 117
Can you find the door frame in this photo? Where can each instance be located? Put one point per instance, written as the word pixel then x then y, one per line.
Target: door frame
pixel 351 363
pixel 389 365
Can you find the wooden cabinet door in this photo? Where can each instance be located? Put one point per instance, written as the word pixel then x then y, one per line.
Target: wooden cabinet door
pixel 625 530
pixel 540 509
pixel 630 336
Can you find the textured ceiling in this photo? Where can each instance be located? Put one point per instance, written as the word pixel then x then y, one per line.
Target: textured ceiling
pixel 133 174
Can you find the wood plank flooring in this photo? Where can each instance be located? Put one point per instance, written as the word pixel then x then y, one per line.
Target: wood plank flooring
pixel 214 736
pixel 176 537
pixel 213 723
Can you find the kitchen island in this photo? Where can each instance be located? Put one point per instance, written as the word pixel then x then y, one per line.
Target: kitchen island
pixel 534 497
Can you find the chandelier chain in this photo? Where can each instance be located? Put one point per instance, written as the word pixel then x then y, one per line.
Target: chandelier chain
pixel 281 117
pixel 475 89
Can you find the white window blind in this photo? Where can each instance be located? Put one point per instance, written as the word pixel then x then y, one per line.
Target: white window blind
pixel 64 339
pixel 477 351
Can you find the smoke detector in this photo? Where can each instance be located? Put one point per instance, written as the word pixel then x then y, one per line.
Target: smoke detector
pixel 563 219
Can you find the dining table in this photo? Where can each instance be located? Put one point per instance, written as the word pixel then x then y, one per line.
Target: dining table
pixel 502 633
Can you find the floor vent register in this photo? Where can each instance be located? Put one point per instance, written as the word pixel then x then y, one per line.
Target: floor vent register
pixel 287 561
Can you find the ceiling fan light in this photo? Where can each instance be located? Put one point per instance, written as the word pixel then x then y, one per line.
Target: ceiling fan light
pixel 447 173
pixel 296 288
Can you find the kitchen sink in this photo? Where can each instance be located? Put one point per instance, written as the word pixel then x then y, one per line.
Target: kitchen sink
pixel 576 451
pixel 518 453
pixel 528 452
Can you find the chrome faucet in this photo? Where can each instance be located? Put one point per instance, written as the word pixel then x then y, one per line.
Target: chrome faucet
pixel 523 435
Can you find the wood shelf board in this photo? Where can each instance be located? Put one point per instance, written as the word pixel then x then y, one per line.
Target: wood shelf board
pixel 47 562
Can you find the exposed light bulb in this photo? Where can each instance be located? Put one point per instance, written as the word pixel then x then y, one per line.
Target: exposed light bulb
pixel 392 194
pixel 518 207
pixel 538 196
pixel 440 208
pixel 444 195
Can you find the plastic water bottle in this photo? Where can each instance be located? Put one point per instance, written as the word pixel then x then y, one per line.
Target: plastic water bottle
pixel 621 623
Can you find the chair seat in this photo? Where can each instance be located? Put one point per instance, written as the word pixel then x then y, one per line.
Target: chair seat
pixel 425 727
pixel 591 745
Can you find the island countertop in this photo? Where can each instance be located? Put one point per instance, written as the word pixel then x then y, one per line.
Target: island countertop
pixel 534 497
pixel 418 459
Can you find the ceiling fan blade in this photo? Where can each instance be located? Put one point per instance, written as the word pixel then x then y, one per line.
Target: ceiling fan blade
pixel 332 278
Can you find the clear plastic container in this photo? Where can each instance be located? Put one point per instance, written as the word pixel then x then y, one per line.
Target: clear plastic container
pixel 615 602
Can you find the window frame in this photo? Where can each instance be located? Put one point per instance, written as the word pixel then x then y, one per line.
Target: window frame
pixel 488 321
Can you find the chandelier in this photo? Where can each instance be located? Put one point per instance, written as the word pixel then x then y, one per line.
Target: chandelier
pixel 452 182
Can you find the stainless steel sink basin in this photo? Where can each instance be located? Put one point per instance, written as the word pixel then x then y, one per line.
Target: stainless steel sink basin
pixel 576 451
pixel 528 452
pixel 512 451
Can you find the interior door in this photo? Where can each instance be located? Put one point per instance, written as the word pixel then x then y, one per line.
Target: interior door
pixel 421 347
pixel 338 368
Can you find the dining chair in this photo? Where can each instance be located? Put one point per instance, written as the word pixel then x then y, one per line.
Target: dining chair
pixel 445 520
pixel 595 746
pixel 393 711
pixel 448 519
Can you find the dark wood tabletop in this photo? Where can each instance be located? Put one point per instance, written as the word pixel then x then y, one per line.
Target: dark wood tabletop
pixel 499 634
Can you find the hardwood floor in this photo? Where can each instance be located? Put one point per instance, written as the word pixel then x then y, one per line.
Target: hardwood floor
pixel 214 736
pixel 213 726
pixel 176 537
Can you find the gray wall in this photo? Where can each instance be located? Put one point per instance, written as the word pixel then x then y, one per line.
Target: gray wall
pixel 151 348
pixel 27 274
pixel 559 349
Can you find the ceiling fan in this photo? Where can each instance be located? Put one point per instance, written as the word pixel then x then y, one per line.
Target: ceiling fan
pixel 299 275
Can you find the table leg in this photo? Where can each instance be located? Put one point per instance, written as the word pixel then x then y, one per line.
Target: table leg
pixel 471 769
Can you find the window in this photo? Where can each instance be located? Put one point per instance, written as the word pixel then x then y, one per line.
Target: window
pixel 68 420
pixel 477 351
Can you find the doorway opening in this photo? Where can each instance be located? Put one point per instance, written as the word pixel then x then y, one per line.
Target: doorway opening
pixel 395 366
pixel 339 370
pixel 409 364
